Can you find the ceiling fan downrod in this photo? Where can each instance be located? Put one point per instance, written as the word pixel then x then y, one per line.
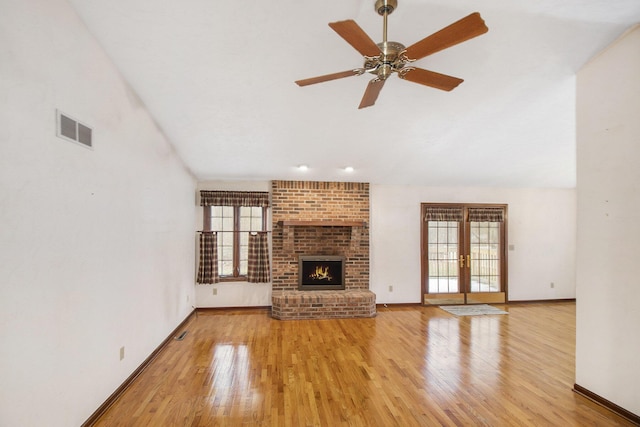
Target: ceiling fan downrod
pixel 388 61
pixel 385 8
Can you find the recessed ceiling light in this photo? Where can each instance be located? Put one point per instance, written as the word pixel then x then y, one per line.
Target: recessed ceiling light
pixel 303 167
pixel 348 169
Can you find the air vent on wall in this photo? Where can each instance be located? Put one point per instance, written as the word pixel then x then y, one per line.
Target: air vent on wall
pixel 72 130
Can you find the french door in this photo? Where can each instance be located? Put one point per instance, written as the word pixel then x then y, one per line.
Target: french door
pixel 464 257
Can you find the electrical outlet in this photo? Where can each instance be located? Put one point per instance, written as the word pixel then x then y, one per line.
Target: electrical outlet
pixel 121 353
pixel 553 285
pixel 215 291
pixel 390 288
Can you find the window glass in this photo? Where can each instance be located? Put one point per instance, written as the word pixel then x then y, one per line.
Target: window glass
pixel 233 243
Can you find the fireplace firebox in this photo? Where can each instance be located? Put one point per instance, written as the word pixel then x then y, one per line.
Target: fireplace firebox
pixel 320 272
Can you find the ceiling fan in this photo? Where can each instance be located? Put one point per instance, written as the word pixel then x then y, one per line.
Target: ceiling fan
pixel 388 57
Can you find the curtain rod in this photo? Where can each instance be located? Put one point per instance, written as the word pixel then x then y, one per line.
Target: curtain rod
pixel 233 231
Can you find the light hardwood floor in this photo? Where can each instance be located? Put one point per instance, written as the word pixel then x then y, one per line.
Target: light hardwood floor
pixel 409 366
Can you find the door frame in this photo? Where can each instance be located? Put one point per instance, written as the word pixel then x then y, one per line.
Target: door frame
pixel 424 255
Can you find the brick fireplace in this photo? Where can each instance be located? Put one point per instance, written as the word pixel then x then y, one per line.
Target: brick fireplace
pixel 320 219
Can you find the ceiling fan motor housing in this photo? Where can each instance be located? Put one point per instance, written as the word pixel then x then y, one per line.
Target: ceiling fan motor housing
pixel 386 6
pixel 388 62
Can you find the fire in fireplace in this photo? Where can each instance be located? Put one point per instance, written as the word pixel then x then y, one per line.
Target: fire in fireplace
pixel 320 272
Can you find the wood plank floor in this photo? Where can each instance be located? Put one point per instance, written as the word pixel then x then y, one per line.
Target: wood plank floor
pixel 409 366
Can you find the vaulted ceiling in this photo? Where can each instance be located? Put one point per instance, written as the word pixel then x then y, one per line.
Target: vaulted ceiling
pixel 218 78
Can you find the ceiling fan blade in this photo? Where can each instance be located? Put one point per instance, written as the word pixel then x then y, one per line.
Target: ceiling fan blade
pixel 327 77
pixel 371 93
pixel 430 78
pixel 467 28
pixel 356 37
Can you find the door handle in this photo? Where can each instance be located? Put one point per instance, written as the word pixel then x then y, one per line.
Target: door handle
pixel 461 261
pixel 468 261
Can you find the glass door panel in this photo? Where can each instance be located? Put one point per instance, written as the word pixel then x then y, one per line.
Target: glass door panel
pixel 485 256
pixel 444 272
pixel 443 257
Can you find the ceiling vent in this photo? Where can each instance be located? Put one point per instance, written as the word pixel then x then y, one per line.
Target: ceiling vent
pixel 72 130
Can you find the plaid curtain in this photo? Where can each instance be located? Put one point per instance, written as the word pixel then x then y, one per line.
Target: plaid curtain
pixel 258 270
pixel 208 267
pixel 440 213
pixel 234 198
pixel 486 214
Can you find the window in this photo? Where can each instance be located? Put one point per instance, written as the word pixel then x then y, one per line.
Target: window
pixel 233 225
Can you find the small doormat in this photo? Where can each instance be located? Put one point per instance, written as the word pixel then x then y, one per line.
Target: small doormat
pixel 471 310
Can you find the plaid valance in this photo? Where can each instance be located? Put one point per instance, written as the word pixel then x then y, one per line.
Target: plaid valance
pixel 234 198
pixel 441 213
pixel 486 214
pixel 446 213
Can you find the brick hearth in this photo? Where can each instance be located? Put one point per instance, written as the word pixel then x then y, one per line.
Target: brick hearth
pixel 320 218
pixel 322 304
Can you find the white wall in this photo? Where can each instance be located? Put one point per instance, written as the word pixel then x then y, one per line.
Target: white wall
pixel 96 246
pixel 608 271
pixel 541 229
pixel 232 294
